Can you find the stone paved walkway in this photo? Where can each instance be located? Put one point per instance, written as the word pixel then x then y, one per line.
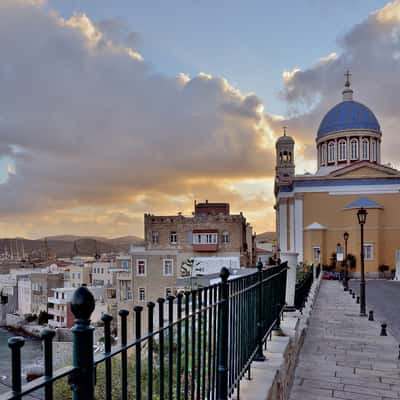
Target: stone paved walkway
pixel 343 356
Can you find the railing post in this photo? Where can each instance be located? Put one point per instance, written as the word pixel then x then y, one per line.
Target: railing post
pixel 223 336
pixel 47 336
pixel 138 352
pixel 259 355
pixel 82 381
pixel 15 344
pixel 107 318
pixel 124 355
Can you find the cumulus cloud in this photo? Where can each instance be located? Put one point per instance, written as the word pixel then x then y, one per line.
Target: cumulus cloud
pixel 371 51
pixel 88 123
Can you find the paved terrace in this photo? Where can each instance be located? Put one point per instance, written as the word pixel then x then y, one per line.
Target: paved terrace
pixel 343 356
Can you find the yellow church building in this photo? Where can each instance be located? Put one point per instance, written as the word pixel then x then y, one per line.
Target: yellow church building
pixel 313 211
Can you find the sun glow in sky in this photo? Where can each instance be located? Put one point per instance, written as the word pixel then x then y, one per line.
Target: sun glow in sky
pixel 124 107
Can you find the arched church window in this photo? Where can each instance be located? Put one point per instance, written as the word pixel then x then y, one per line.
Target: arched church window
pixel 290 156
pixel 323 154
pixel 331 152
pixel 373 150
pixel 365 149
pixel 354 149
pixel 342 150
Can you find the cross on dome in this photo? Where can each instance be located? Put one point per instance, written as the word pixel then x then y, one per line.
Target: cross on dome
pixel 284 130
pixel 347 75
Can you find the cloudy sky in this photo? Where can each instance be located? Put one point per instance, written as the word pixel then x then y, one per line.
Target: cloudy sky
pixel 109 109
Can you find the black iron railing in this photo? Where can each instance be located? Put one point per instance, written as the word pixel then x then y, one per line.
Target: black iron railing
pixel 200 351
pixel 302 289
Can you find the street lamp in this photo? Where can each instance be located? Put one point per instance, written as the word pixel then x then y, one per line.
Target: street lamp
pixel 346 271
pixel 362 217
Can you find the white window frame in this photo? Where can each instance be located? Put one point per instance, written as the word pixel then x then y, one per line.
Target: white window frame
pixel 168 289
pixel 365 154
pixel 354 154
pixel 205 238
pixel 211 238
pixel 374 146
pixel 342 150
pixel 173 237
pixel 331 152
pixel 323 153
pixel 137 267
pixel 225 237
pixel 369 257
pixel 155 237
pixel 165 261
pixel 314 249
pixel 140 291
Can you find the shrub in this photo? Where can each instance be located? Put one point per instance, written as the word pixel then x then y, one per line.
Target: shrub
pixel 383 268
pixel 351 261
pixel 43 318
pixel 30 317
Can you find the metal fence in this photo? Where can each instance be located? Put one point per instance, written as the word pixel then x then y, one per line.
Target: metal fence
pixel 302 289
pixel 199 352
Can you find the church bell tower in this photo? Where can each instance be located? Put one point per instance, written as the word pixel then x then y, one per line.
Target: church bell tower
pixel 285 168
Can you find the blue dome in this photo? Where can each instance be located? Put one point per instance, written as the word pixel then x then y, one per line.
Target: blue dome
pixel 346 116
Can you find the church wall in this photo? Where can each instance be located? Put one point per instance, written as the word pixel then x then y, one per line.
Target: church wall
pixel 382 228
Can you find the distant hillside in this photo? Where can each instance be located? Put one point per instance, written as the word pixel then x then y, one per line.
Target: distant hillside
pixel 67 245
pixel 266 236
pixel 71 238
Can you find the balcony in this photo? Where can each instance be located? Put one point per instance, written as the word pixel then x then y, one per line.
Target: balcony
pixel 205 247
pixel 205 240
pixel 55 300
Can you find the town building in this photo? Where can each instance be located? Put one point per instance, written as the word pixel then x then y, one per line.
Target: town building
pixel 78 275
pixel 59 308
pixel 34 290
pixel 313 211
pixel 178 244
pixel 102 271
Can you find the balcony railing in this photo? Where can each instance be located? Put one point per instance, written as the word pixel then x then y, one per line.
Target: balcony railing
pixel 202 352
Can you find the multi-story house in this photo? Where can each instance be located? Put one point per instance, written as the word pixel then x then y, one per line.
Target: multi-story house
pixel 209 239
pixel 78 275
pixel 60 310
pixel 34 290
pixel 103 271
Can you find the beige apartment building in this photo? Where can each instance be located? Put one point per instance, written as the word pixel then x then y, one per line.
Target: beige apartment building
pixel 209 235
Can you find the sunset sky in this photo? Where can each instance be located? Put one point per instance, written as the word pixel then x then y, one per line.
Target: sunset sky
pixel 110 109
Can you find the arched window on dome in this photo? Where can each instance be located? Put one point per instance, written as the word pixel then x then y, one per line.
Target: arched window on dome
pixel 323 154
pixel 373 150
pixel 342 156
pixel 331 152
pixel 365 149
pixel 354 149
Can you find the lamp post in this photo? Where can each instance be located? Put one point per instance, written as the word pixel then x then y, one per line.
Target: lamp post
pixel 346 271
pixel 362 216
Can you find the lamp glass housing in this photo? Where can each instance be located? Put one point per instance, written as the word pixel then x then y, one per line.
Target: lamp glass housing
pixel 362 216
